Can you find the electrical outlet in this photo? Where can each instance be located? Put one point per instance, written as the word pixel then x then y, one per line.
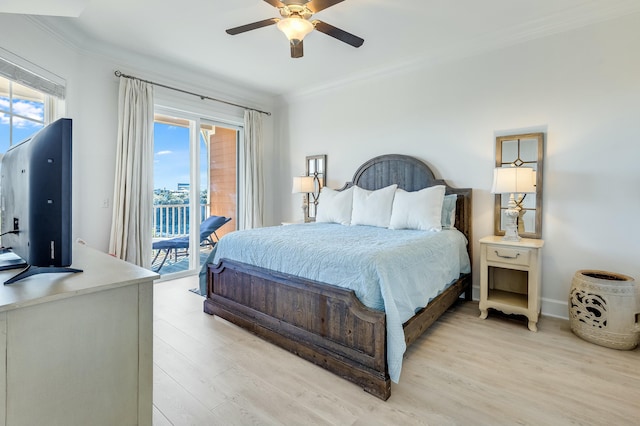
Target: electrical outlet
pixel 105 203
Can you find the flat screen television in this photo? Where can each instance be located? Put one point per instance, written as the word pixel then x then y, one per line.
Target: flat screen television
pixel 35 203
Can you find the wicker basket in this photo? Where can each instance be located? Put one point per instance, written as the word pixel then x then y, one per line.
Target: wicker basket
pixel 604 309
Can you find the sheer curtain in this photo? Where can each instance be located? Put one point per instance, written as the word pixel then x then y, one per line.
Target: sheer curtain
pixel 252 166
pixel 131 226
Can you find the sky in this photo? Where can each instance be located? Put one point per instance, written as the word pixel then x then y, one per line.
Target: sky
pixel 22 129
pixel 171 157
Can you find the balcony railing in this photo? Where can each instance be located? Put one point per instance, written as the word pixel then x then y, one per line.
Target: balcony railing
pixel 172 220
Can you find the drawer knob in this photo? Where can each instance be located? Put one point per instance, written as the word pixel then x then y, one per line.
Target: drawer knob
pixel 507 257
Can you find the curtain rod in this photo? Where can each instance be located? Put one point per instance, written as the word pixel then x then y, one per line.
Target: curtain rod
pixel 203 97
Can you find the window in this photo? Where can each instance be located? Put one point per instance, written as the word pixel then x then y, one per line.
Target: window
pixel 22 113
pixel 30 98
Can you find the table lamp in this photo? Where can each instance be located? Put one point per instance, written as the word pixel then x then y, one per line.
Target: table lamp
pixel 513 180
pixel 304 185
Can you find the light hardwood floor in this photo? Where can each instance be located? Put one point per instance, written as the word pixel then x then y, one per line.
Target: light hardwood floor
pixel 463 371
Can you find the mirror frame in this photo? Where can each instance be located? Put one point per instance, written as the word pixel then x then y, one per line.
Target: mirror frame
pixel 539 137
pixel 319 164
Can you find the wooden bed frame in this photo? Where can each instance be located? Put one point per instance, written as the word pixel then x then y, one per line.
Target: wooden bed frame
pixel 326 324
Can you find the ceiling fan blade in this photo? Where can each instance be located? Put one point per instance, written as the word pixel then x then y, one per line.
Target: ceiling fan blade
pixel 339 34
pixel 296 50
pixel 253 26
pixel 317 5
pixel 275 3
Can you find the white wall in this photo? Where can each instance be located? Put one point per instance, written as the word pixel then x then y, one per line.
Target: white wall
pixel 92 97
pixel 581 88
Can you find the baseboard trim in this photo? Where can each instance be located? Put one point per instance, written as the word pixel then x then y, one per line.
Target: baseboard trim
pixel 555 308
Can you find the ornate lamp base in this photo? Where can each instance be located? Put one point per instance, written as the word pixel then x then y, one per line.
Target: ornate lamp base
pixel 305 207
pixel 511 227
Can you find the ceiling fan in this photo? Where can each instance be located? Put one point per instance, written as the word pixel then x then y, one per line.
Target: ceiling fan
pixel 295 23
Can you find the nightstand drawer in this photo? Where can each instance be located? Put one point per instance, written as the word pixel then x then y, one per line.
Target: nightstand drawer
pixel 513 256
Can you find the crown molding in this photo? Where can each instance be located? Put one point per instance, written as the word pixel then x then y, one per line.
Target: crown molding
pixel 568 20
pixel 197 80
pixel 69 33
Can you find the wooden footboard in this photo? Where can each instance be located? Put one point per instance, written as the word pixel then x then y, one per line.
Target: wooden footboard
pixel 324 324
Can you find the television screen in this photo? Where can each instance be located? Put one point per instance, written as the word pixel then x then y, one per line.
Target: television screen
pixel 35 200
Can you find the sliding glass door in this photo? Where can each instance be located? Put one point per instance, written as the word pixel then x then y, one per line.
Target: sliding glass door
pixel 195 177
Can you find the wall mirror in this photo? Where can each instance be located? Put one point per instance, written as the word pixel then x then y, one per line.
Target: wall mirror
pixel 524 150
pixel 316 166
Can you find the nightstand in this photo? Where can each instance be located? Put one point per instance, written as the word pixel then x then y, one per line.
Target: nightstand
pixel 510 274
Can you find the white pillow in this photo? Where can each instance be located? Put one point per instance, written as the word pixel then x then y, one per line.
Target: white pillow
pixel 418 210
pixel 373 208
pixel 335 206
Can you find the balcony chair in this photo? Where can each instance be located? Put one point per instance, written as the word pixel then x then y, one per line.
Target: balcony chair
pixel 208 227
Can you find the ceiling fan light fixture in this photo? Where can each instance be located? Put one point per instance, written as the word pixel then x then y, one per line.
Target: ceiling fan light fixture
pixel 295 28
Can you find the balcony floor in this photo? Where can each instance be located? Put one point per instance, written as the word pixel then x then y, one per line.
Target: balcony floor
pixel 181 264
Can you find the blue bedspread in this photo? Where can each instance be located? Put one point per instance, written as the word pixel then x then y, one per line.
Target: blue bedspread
pixel 388 269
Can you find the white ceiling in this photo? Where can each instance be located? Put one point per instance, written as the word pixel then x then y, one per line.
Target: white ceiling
pixel 44 7
pixel 396 33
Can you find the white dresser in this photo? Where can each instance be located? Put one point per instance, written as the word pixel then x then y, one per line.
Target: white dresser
pixel 76 349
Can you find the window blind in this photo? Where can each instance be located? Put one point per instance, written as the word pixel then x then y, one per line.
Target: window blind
pixel 30 79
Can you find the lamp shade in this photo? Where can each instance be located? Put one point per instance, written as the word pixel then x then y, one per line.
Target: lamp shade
pixel 295 28
pixel 304 184
pixel 508 180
